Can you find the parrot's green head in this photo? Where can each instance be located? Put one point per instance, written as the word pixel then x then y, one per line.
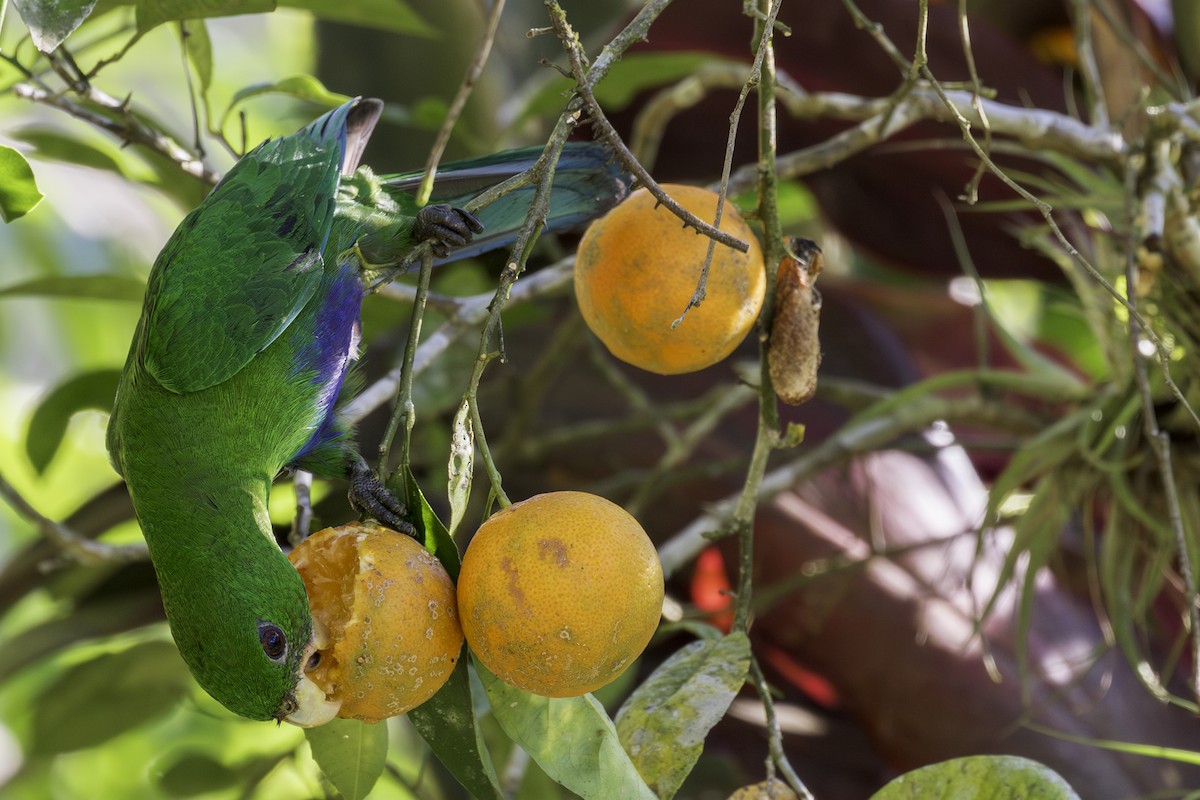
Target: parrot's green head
pixel 244 629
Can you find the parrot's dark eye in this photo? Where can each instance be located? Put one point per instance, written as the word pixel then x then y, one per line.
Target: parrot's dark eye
pixel 274 643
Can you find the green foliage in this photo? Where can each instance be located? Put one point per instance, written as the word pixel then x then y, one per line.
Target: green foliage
pixel 351 754
pixel 448 724
pixel 106 696
pixel 571 738
pixel 52 21
pixel 152 13
pixel 302 87
pixel 664 723
pixel 393 16
pixel 88 390
pixel 18 189
pixel 979 778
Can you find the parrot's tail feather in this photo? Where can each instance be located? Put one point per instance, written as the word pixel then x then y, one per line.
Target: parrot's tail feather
pixel 588 181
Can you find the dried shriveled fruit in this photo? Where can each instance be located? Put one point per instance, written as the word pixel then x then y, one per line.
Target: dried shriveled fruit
pixel 794 350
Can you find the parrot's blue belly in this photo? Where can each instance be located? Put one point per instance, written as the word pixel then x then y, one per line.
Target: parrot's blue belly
pixel 325 351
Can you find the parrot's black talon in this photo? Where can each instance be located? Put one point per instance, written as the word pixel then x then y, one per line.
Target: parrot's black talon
pixel 445 228
pixel 369 496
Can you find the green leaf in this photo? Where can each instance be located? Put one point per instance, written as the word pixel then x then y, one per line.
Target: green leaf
pixel 112 693
pixel 193 773
pixel 664 722
pixel 448 724
pixel 436 538
pixel 571 738
pixel 79 287
pixel 18 190
pixel 199 50
pixel 51 21
pixel 52 145
pixel 91 390
pixel 152 13
pixel 383 15
pixel 979 778
pixel 461 466
pixel 351 754
pixel 303 87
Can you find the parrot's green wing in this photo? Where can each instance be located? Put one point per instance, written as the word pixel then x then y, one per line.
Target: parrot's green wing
pixel 240 268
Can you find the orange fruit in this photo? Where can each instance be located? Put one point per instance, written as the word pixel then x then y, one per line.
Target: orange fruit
pixel 386 610
pixel 637 268
pixel 558 594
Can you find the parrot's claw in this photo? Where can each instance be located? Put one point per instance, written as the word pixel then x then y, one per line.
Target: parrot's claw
pixel 369 496
pixel 445 228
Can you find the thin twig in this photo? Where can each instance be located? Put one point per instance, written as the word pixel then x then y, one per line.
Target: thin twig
pixel 1160 440
pixel 864 434
pixel 459 102
pixel 608 134
pixel 128 128
pixel 468 313
pixel 971 195
pixel 404 410
pixel 82 550
pixel 1085 56
pixel 775 733
pixel 302 522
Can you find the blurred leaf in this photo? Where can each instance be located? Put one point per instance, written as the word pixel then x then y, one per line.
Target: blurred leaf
pixel 351 754
pixel 113 693
pixel 194 773
pixel 18 189
pixel 1186 17
pixel 571 738
pixel 304 87
pixel 53 145
pixel 448 725
pixel 199 50
pixel 109 616
pixel 384 15
pixel 91 390
pixel 152 13
pixel 634 73
pixel 51 21
pixel 979 778
pixel 665 721
pixel 79 287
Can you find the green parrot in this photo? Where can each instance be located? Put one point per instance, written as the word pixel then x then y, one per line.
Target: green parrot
pixel 248 328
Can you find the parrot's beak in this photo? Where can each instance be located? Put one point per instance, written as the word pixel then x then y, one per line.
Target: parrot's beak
pixel 312 707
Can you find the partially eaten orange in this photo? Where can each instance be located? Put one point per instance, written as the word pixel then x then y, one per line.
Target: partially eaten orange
pixel 385 616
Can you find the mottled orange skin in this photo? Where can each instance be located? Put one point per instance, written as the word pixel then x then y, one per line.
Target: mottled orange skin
pixel 390 616
pixel 559 594
pixel 638 267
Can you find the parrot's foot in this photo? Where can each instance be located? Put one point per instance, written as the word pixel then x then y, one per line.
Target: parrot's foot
pixel 445 228
pixel 369 496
